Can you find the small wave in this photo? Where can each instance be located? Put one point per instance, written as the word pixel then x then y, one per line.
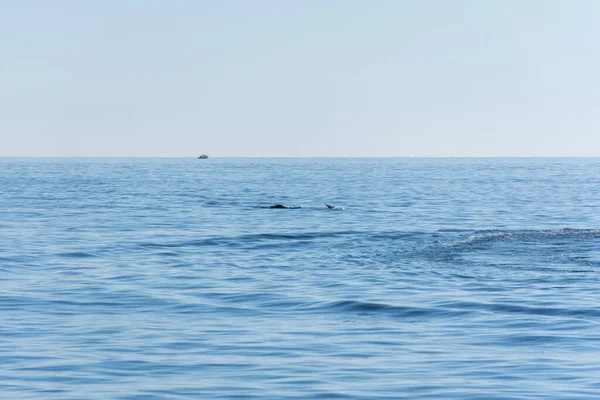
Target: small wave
pixel 373 308
pixel 566 250
pixel 504 308
pixel 77 254
pixel 19 259
pixel 250 239
pixel 487 236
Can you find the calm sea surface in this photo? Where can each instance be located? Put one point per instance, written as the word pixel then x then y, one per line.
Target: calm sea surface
pixel 165 279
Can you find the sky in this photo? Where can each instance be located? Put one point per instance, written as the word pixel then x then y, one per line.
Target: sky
pixel 310 78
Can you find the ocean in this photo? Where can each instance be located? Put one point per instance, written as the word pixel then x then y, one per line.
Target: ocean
pixel 165 278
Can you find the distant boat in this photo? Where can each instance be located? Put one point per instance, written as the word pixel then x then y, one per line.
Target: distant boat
pixel 202 156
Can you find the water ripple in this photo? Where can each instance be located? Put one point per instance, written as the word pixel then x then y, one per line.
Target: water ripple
pixel 161 279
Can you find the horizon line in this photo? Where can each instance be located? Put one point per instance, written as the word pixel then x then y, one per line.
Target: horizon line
pixel 225 156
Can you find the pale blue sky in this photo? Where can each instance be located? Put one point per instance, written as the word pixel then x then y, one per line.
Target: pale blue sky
pixel 299 78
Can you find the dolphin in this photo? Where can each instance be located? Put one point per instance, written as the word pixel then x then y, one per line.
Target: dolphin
pixel 281 206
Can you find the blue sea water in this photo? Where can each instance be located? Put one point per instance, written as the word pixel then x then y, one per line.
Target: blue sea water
pixel 165 279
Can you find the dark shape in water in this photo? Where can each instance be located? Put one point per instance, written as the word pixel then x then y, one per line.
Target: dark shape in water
pixel 202 157
pixel 281 206
pixel 334 207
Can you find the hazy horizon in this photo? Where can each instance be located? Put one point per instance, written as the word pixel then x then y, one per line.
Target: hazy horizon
pixel 314 79
pixel 301 157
